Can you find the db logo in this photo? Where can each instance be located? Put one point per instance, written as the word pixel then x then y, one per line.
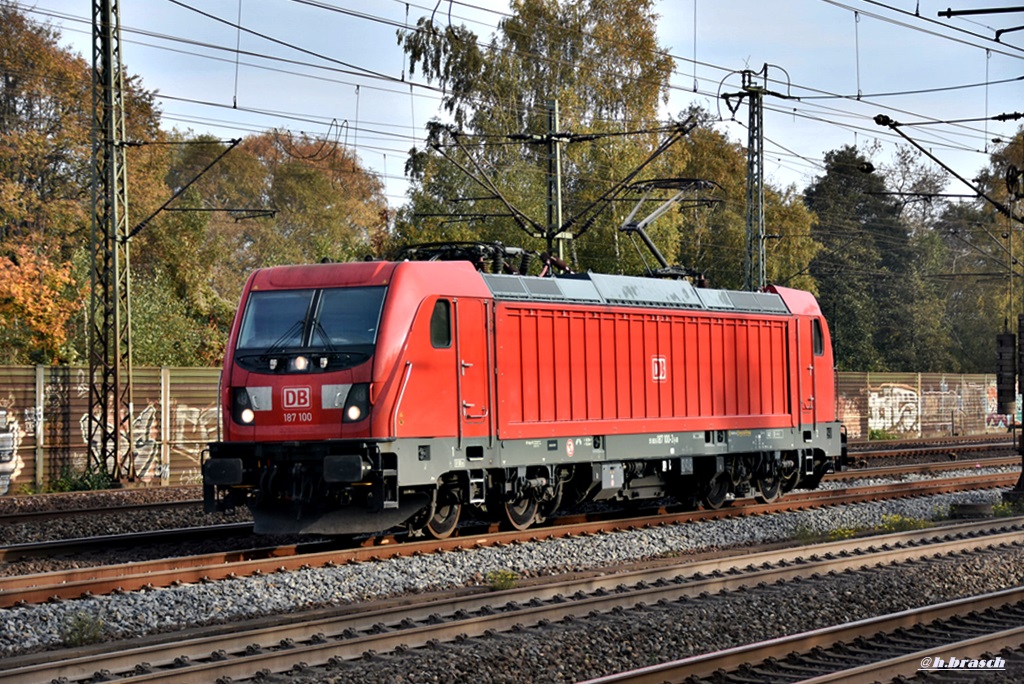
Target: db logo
pixel 659 369
pixel 297 397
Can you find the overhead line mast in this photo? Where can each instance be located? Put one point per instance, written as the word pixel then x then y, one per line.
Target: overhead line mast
pixel 110 351
pixel 755 275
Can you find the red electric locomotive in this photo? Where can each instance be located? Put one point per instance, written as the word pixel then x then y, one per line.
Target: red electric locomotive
pixel 369 395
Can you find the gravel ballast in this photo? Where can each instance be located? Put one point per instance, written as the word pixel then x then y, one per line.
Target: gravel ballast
pixel 41 627
pixel 598 646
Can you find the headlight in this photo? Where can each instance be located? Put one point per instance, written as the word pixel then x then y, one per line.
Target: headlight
pixel 299 363
pixel 241 406
pixel 357 405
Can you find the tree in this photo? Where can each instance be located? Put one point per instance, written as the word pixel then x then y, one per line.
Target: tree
pixel 874 273
pixel 982 250
pixel 599 59
pixel 188 262
pixel 926 345
pixel 45 179
pixel 977 303
pixel 37 300
pixel 45 100
pixel 273 199
pixel 858 227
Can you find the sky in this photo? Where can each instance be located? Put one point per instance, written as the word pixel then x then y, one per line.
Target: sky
pixel 341 74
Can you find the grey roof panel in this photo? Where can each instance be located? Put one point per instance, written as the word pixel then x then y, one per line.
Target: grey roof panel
pixel 506 286
pixel 715 299
pixel 599 288
pixel 633 290
pixel 579 289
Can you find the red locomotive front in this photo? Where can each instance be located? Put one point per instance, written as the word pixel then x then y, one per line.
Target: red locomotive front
pixel 312 349
pixel 358 397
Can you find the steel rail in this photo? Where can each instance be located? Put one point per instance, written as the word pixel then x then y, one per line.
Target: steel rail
pixel 909 664
pixel 58 547
pixel 891 470
pixel 1001 440
pixel 127 509
pixel 241 650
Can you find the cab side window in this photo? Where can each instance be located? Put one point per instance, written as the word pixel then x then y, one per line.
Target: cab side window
pixel 441 325
pixel 817 338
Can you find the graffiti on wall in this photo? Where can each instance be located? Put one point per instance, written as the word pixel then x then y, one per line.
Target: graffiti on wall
pixel 995 419
pixel 11 463
pixel 894 408
pixel 192 428
pixel 143 443
pixel 849 414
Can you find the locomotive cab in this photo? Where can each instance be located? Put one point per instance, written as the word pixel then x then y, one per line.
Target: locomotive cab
pixel 309 388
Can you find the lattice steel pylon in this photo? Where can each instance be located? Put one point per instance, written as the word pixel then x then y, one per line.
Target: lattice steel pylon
pixel 110 357
pixel 755 277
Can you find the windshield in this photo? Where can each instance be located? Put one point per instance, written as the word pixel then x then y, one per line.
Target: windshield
pixel 311 319
pixel 275 319
pixel 348 316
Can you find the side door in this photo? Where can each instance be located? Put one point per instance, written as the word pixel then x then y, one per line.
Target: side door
pixel 807 382
pixel 475 389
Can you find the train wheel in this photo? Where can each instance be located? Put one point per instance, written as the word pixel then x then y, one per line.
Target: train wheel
pixel 718 490
pixel 768 488
pixel 444 520
pixel 522 512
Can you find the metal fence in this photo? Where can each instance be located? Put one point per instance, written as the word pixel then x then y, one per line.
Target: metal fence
pixel 47 409
pixel 176 415
pixel 882 405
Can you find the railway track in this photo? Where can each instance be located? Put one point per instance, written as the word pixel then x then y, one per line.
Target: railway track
pixel 42 514
pixel 883 471
pixel 948 451
pixel 904 452
pixel 71 584
pixel 74 546
pixel 242 650
pixel 57 547
pixel 899 645
pixel 956 443
pixel 37 506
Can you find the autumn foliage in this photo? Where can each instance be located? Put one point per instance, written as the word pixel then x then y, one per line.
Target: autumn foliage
pixel 37 299
pixel 275 198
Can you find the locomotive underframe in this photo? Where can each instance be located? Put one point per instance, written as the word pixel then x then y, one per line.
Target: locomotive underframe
pixel 351 486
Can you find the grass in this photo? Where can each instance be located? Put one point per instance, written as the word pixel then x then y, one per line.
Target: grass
pixel 82 629
pixel 71 480
pixel 889 525
pixel 499 580
pixel 1007 509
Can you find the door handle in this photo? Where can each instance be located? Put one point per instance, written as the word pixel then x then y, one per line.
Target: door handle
pixel 465 411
